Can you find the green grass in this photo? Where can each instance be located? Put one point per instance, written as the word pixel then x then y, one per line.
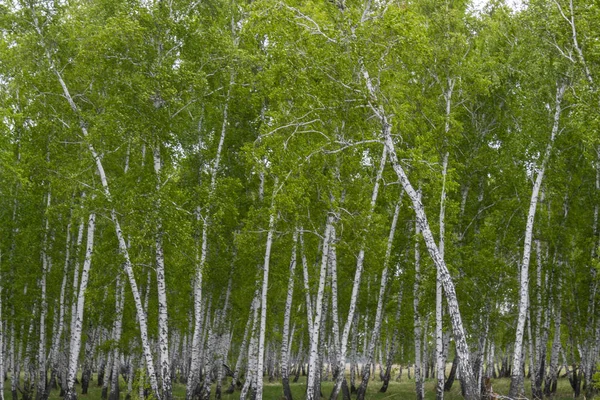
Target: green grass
pixel 404 389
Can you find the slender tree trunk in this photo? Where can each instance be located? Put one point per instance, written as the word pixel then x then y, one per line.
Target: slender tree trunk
pixel 75 344
pixel 286 339
pixel 46 265
pixel 316 324
pixel 163 316
pixel 419 384
pixel 120 298
pixel 362 390
pixel 265 289
pixel 516 383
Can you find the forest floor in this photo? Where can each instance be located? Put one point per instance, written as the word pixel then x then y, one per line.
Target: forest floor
pixel 404 389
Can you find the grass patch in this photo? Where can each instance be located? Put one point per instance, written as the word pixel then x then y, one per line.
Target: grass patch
pixel 404 389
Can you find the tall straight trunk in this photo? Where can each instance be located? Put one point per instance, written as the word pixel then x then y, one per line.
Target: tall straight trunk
pixel 264 292
pixel 41 356
pixel 75 344
pixel 440 361
pixel 120 299
pixel 339 366
pixel 419 384
pixel 362 390
pixel 316 323
pixel 285 340
pixel 76 268
pixel 141 316
pixel 517 387
pixel 357 279
pixel 163 316
pixel 462 347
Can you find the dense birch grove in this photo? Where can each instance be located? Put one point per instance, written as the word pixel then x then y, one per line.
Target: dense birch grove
pixel 218 194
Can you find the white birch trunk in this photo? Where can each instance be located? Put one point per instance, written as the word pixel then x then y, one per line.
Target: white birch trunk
pixel 46 265
pixel 517 387
pixel 163 316
pixel 264 292
pixel 316 326
pixel 419 384
pixel 117 329
pixel 75 344
pixel 440 361
pixel 286 337
pixel 309 306
pixel 76 274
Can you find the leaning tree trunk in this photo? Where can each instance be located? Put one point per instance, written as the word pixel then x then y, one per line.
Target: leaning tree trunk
pixel 447 282
pixel 141 317
pixel 517 387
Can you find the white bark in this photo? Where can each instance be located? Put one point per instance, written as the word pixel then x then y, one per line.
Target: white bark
pixel 316 326
pixel 46 265
pixel 309 307
pixel 419 381
pixel 440 361
pixel 117 329
pixel 264 292
pixel 286 337
pixel 75 344
pixel 517 384
pixel 163 316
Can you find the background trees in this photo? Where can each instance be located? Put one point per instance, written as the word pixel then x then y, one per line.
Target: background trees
pixel 171 170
